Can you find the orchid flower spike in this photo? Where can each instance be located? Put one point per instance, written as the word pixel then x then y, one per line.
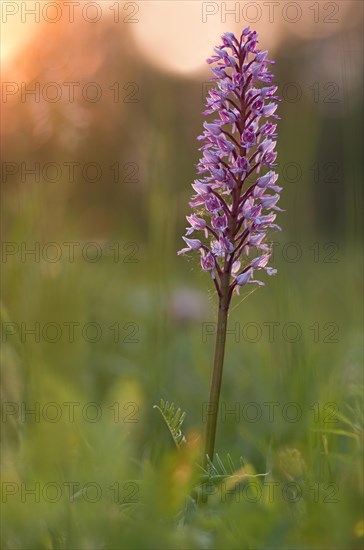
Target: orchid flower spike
pixel 233 206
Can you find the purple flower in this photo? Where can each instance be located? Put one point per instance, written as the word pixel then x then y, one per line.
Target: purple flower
pixel 207 261
pixel 232 194
pixel 270 201
pixel 219 222
pixel 222 247
pixel 268 181
pixel 213 128
pixel 196 223
pixel 248 138
pixel 244 277
pixel 193 244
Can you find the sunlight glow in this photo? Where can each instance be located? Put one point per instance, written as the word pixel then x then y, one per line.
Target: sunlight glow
pixel 171 35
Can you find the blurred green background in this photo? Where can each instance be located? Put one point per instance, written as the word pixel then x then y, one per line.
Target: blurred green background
pixel 120 321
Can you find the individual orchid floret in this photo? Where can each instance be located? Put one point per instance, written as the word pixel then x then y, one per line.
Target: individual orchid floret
pixel 192 244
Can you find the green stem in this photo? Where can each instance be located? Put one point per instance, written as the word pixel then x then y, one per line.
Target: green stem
pixel 215 386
